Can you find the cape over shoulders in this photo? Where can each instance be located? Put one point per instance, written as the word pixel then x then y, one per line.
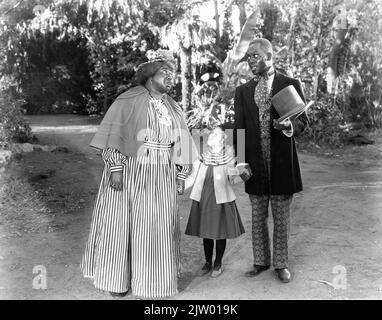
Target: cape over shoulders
pixel 128 100
pixel 137 94
pixel 133 94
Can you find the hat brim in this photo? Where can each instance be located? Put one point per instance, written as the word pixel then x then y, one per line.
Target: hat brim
pixel 295 112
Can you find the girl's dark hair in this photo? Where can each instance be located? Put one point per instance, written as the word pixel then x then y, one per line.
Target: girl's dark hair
pixel 148 70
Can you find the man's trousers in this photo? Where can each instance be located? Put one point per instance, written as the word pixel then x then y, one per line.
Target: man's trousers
pixel 280 205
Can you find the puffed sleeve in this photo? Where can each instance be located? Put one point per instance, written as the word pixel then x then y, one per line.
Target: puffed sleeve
pixel 183 171
pixel 114 159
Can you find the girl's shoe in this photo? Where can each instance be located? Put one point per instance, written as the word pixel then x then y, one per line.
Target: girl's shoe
pixel 206 269
pixel 217 271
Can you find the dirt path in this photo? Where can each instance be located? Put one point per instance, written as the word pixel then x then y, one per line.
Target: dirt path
pixel 335 227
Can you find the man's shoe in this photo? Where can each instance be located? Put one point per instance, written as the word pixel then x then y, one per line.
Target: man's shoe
pixel 284 275
pixel 206 269
pixel 118 294
pixel 257 269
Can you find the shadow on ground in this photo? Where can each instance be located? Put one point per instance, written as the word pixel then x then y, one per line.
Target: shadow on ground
pixel 335 225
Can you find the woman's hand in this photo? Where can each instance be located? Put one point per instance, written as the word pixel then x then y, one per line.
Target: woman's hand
pixel 180 186
pixel 116 180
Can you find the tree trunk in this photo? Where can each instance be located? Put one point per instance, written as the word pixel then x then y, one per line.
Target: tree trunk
pixel 217 22
pixel 318 51
pixel 333 60
pixel 343 37
pixel 242 14
pixel 227 27
pixel 186 76
pixel 104 76
pixel 105 100
pixel 270 14
pixel 291 54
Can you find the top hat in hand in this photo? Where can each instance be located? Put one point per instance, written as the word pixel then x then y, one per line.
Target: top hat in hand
pixel 288 103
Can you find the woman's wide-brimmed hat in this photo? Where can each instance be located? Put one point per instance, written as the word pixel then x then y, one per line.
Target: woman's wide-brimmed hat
pixel 159 55
pixel 156 60
pixel 288 103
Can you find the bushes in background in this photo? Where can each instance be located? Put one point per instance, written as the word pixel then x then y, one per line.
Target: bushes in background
pixel 13 126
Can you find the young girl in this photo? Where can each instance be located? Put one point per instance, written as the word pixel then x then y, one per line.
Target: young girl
pixel 214 215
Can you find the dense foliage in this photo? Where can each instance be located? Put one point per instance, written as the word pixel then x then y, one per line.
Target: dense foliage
pixel 77 56
pixel 13 127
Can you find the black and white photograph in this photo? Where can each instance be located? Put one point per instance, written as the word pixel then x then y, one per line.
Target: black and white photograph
pixel 200 151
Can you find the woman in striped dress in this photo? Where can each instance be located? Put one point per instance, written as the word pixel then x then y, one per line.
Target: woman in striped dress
pixel 134 240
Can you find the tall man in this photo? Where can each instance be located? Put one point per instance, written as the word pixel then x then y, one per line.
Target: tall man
pixel 271 153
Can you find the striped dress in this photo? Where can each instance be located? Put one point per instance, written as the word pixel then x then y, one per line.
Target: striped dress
pixel 134 239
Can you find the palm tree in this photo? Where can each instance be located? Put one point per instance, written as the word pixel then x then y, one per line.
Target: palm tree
pixel 242 12
pixel 184 36
pixel 345 33
pixel 103 7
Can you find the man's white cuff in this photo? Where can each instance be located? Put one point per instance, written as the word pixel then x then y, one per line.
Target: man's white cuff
pixel 289 133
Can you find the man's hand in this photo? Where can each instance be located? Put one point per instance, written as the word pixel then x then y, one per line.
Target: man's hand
pixel 283 125
pixel 116 180
pixel 180 186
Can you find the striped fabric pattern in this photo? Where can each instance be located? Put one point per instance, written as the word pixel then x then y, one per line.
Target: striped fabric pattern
pixel 154 145
pixel 216 159
pixel 134 239
pixel 104 261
